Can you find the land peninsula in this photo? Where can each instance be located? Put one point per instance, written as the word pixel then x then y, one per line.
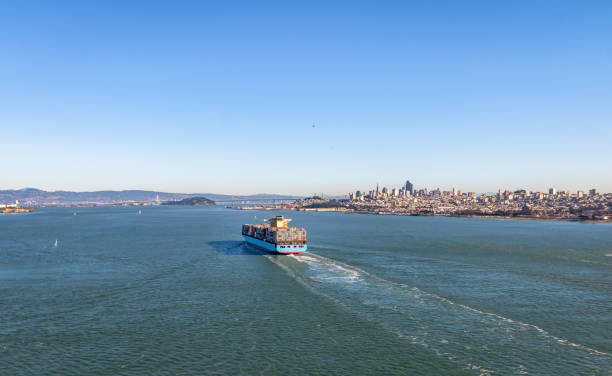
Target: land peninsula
pixel 520 204
pixel 192 201
pixel 14 208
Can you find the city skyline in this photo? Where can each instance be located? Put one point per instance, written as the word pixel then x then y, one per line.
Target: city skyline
pixel 384 191
pixel 409 188
pixel 296 98
pixel 399 188
pixel 557 205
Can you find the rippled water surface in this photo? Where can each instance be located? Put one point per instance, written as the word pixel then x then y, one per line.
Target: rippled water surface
pixel 175 291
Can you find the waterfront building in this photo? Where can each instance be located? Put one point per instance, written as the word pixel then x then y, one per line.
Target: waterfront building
pixel 592 192
pixel 552 191
pixel 580 194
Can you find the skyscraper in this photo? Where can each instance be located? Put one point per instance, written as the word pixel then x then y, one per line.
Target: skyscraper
pixel 408 186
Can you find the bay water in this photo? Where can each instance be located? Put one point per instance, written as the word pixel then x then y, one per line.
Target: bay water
pixel 176 291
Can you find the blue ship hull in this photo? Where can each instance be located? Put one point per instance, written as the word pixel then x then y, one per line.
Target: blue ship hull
pixel 284 249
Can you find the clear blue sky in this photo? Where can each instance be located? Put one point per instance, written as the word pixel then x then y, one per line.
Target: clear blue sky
pixel 201 97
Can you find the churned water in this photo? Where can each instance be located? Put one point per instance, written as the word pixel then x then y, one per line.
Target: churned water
pixel 174 290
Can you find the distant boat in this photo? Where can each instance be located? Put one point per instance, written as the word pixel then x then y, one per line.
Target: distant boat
pixel 74 213
pixel 55 244
pixel 139 211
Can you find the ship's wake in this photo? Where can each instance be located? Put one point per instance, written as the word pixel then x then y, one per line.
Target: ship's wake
pixel 483 342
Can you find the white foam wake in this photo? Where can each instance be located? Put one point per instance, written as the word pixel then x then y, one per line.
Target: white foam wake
pixel 329 270
pixel 355 284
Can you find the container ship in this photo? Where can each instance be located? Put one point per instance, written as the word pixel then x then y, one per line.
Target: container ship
pixel 275 236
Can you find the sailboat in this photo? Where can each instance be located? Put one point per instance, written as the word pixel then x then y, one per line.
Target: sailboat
pixel 55 244
pixel 139 211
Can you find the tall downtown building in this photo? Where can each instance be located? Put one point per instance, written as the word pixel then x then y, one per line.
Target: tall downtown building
pixel 409 187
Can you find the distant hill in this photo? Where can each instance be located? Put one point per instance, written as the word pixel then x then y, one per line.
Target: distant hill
pixel 35 197
pixel 191 201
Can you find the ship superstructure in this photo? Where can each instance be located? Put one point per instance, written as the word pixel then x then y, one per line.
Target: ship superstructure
pixel 275 236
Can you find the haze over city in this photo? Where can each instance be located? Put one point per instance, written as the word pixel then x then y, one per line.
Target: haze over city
pixel 243 98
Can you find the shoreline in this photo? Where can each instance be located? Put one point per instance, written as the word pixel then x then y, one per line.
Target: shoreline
pixel 505 217
pixel 16 210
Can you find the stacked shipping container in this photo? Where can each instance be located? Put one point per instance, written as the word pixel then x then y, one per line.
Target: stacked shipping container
pixel 286 235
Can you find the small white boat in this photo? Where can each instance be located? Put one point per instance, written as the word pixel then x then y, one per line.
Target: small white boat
pixel 55 244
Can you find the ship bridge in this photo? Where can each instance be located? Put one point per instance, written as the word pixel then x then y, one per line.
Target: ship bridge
pixel 278 222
